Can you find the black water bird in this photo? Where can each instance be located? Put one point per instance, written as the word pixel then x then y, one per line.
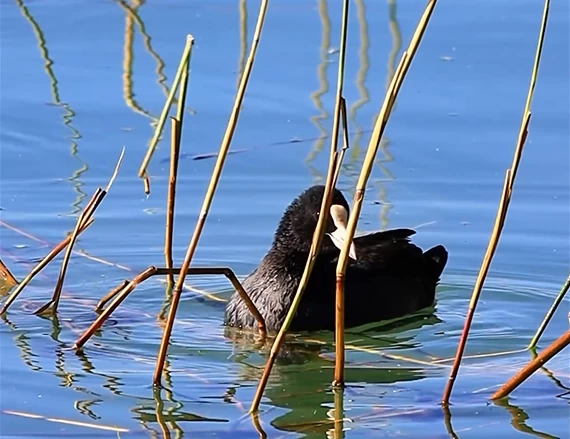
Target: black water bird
pixel 387 276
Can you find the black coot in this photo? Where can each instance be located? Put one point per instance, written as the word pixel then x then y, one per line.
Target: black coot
pixel 387 276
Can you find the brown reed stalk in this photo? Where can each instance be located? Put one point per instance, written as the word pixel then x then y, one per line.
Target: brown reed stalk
pixel 181 74
pixel 321 222
pixel 51 306
pixel 174 155
pixel 381 121
pixel 40 266
pixel 224 147
pixel 110 295
pixel 549 352
pixel 501 212
pixel 8 278
pixel 549 314
pixel 119 294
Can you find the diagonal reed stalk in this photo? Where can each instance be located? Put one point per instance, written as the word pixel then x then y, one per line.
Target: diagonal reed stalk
pixel 119 294
pixel 40 266
pixel 535 364
pixel 224 147
pixel 181 77
pixel 51 306
pixel 380 125
pixel 174 155
pixel 549 314
pixel 501 212
pixel 321 222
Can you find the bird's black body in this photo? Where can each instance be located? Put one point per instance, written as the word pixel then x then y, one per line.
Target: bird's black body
pixel 391 277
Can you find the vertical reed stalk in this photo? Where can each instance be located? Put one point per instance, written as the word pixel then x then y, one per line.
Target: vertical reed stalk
pixel 174 154
pixel 321 222
pixel 375 138
pixel 501 212
pixel 224 147
pixel 183 67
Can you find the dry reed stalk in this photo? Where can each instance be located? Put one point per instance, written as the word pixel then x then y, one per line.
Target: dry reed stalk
pixel 224 147
pixel 8 279
pixel 533 366
pixel 373 145
pixel 174 154
pixel 549 314
pixel 110 295
pixel 51 306
pixel 119 294
pixel 501 212
pixel 321 222
pixel 181 73
pixel 40 266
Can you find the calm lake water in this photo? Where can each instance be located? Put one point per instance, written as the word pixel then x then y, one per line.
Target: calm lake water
pixel 80 79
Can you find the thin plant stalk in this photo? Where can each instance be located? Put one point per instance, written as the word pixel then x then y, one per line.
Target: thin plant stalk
pixel 39 267
pixel 174 155
pixel 118 295
pixel 110 295
pixel 7 275
pixel 86 214
pixel 83 216
pixel 224 147
pixel 180 73
pixel 373 145
pixel 319 229
pixel 549 314
pixel 501 212
pixel 345 142
pixel 535 364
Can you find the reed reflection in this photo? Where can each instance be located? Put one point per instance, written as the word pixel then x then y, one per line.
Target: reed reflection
pixel 68 114
pixel 350 168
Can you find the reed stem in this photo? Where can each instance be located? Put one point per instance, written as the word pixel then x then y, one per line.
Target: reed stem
pixel 40 266
pixel 549 314
pixel 224 147
pixel 183 67
pixel 373 145
pixel 321 222
pixel 174 157
pixel 51 306
pixel 535 364
pixel 501 212
pixel 120 293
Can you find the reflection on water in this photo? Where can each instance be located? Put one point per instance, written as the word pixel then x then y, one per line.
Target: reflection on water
pixel 68 113
pixel 396 369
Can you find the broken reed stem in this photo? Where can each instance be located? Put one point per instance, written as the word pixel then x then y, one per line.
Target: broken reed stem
pixel 181 73
pixel 321 222
pixel 83 217
pixel 7 275
pixel 533 366
pixel 224 147
pixel 549 314
pixel 379 126
pixel 174 154
pixel 119 294
pixel 501 212
pixel 40 266
pixel 86 214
